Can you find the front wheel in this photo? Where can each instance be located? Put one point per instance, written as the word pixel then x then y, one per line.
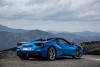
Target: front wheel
pixel 78 53
pixel 51 54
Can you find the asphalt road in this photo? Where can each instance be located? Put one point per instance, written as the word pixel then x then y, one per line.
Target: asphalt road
pixel 85 61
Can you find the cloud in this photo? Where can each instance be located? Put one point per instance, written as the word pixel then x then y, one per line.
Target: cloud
pixel 57 10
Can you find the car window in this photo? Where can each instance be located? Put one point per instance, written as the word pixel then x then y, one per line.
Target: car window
pixel 62 41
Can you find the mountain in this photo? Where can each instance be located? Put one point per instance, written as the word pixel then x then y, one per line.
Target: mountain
pixel 78 38
pixel 70 36
pixel 9 39
pixel 53 32
pixel 87 33
pixel 4 28
pixel 36 34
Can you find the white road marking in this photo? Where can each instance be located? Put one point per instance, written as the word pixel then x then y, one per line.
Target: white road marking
pixel 93 59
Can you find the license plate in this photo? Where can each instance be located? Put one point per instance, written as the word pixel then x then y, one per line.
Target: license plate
pixel 27 49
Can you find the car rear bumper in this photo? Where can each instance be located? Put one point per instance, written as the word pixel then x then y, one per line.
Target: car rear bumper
pixel 30 54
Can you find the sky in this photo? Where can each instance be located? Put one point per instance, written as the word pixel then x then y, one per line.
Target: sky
pixel 51 15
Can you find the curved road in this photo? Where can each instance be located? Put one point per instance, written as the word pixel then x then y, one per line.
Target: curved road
pixel 85 61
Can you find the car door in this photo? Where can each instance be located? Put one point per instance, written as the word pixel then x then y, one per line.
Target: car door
pixel 67 48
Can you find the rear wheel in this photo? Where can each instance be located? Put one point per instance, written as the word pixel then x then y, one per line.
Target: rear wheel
pixel 51 53
pixel 78 53
pixel 24 57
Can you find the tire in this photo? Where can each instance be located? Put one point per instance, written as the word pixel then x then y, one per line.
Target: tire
pixel 24 57
pixel 51 53
pixel 78 53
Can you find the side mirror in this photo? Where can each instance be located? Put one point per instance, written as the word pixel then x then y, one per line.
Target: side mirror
pixel 72 41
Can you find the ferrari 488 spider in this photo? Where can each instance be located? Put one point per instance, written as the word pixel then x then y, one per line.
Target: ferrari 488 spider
pixel 50 48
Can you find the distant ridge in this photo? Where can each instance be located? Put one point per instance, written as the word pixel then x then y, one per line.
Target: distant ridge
pixel 87 33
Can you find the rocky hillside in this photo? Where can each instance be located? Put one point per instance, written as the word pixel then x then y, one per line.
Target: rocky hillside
pixel 8 53
pixel 91 47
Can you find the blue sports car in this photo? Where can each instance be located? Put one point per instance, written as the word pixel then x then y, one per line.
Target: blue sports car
pixel 50 48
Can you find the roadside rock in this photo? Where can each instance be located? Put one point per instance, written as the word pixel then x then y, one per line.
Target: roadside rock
pixel 7 54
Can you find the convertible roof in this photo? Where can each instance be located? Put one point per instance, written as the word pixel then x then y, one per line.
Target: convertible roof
pixel 46 39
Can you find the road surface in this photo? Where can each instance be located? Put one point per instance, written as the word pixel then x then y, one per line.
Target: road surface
pixel 85 61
